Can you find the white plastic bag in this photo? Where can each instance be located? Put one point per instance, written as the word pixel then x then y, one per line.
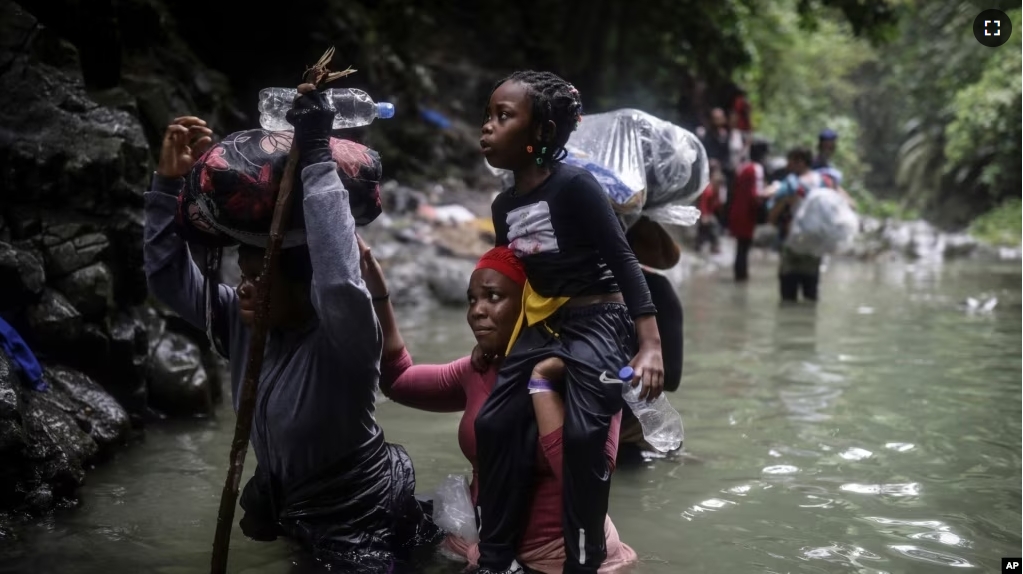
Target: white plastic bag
pixel 683 215
pixel 452 508
pixel 644 164
pixel 823 223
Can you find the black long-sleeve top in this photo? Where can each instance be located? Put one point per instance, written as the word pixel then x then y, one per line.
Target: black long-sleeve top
pixel 570 241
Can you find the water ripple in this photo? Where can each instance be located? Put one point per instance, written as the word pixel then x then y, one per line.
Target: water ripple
pixel 928 530
pixel 856 454
pixel 930 556
pixel 709 505
pixel 903 489
pixel 841 554
pixel 946 538
pixel 780 469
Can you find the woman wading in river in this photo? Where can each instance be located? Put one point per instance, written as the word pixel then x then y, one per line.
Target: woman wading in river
pixel 494 297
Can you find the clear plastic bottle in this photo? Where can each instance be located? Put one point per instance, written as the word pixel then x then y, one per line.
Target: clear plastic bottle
pixel 352 108
pixel 662 425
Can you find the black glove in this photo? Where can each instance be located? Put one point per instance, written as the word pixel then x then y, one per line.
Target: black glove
pixel 312 117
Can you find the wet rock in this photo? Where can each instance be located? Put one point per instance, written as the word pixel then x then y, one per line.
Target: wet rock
pixel 959 245
pixel 47 438
pixel 12 436
pixel 41 498
pixel 178 383
pixel 125 234
pixel 73 254
pixel 407 284
pixel 24 221
pixel 89 289
pixel 54 321
pixel 54 127
pixel 59 230
pixel 57 448
pixel 22 277
pixel 398 199
pixel 985 252
pixel 95 411
pixel 467 241
pixel 914 239
pixel 448 279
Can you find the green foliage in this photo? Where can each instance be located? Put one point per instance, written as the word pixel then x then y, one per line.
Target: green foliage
pixel 803 82
pixel 952 106
pixel 870 205
pixel 986 127
pixel 928 117
pixel 1000 226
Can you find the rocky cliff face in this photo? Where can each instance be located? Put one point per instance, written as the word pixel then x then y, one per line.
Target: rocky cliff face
pixel 73 166
pixel 85 93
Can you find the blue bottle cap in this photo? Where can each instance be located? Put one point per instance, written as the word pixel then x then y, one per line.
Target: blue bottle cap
pixel 626 373
pixel 385 110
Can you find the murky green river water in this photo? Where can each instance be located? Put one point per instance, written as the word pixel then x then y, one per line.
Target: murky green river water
pixel 877 432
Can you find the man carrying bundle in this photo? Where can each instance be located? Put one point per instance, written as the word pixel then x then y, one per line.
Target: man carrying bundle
pixel 324 476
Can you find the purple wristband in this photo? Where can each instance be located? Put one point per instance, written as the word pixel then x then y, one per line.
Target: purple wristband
pixel 540 385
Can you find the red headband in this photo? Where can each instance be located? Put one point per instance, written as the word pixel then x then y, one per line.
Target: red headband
pixel 504 261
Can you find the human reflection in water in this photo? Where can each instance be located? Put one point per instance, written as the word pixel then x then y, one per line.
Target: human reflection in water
pixel 805 381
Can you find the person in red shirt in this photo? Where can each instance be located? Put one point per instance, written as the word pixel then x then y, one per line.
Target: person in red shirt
pixel 744 211
pixel 495 298
pixel 741 108
pixel 709 203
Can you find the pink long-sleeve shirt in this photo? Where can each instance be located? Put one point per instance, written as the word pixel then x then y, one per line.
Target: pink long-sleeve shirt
pixel 455 387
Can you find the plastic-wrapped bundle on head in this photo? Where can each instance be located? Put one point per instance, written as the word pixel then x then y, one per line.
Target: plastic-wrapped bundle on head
pixel 647 166
pixel 229 195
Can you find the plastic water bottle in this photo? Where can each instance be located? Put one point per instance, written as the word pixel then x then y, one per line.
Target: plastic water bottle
pixel 352 108
pixel 662 425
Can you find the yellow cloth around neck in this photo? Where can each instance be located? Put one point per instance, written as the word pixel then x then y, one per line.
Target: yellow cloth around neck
pixel 535 308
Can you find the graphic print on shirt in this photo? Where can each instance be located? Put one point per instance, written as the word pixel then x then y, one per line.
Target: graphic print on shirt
pixel 530 230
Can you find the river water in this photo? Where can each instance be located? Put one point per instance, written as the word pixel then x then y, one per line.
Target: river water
pixel 876 432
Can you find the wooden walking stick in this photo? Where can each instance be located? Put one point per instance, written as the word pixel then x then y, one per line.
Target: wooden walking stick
pixel 318 75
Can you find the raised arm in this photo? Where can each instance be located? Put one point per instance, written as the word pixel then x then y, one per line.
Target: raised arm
pixel 338 294
pixel 172 276
pixel 434 388
pixel 437 388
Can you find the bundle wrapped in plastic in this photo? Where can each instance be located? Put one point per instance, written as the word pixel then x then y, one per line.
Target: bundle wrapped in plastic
pixel 823 223
pixel 452 508
pixel 229 195
pixel 647 166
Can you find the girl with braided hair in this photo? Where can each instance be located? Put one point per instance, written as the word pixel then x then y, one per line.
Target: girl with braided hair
pixel 585 303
